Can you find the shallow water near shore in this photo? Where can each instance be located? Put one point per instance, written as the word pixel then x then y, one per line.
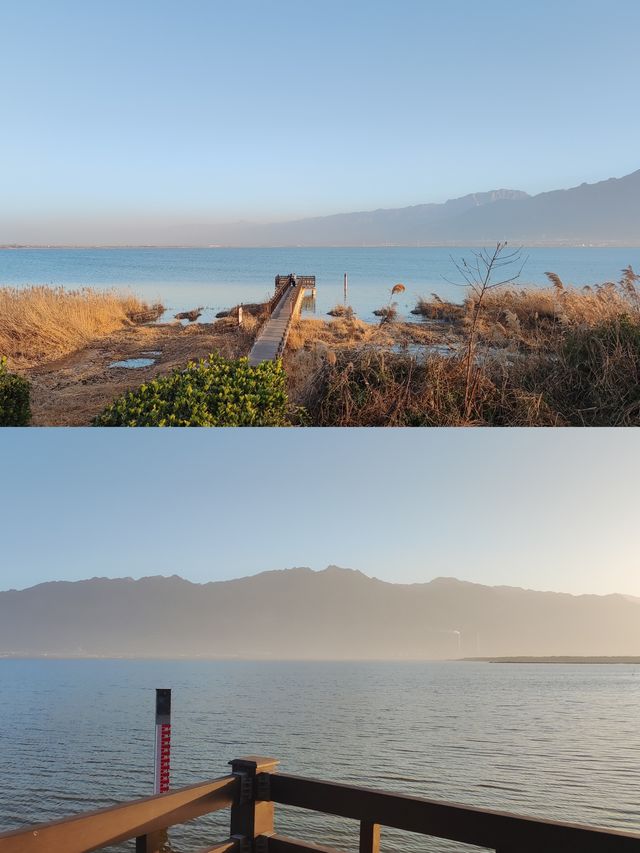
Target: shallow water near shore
pixel 554 741
pixel 217 279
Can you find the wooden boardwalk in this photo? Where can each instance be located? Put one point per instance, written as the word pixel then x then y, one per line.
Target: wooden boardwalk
pixel 272 339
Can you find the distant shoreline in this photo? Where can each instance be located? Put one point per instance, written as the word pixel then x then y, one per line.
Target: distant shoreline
pixel 256 659
pixel 555 659
pixel 465 245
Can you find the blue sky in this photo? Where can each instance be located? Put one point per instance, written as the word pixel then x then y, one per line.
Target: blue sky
pixel 545 509
pixel 206 110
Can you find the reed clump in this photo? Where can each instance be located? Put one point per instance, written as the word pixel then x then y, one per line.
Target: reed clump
pixel 41 324
pixel 438 309
pixel 592 376
pixel 341 311
pixel 387 313
pixel 531 317
pixel 552 357
pixel 341 331
pixel 374 387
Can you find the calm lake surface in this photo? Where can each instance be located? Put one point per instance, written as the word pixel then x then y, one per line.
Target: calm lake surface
pixel 220 278
pixel 555 741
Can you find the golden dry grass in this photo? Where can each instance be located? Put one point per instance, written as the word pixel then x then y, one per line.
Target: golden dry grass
pixel 374 388
pixel 569 307
pixel 531 316
pixel 342 331
pixel 41 324
pixel 545 357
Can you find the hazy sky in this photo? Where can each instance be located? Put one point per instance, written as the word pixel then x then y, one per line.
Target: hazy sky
pixel 545 509
pixel 160 111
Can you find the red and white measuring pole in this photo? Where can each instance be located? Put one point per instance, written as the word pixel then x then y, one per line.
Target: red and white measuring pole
pixel 162 764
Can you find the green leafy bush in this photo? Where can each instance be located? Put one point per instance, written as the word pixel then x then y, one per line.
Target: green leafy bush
pixel 14 398
pixel 213 392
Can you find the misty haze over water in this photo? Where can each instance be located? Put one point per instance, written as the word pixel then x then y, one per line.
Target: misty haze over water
pixel 553 741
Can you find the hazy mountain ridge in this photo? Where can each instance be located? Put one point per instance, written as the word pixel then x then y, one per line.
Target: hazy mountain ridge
pixel 604 213
pixel 302 614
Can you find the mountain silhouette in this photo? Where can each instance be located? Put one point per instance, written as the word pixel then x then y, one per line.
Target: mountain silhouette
pixel 302 614
pixel 604 213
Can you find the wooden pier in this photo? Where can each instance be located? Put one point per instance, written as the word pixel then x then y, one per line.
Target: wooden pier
pixel 283 307
pixel 253 789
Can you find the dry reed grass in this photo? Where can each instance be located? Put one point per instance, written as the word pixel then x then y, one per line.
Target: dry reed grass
pixel 41 324
pixel 551 357
pixel 371 387
pixel 530 316
pixel 342 331
pixel 340 310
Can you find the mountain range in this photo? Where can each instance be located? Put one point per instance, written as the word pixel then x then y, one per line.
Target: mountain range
pixel 604 213
pixel 303 614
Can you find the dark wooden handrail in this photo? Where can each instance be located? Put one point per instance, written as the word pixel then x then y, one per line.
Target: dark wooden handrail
pixel 496 830
pixel 254 788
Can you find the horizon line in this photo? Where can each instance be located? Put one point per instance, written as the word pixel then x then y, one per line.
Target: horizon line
pixel 561 244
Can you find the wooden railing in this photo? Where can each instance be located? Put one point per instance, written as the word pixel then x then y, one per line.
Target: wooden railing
pixel 294 310
pixel 304 281
pixel 283 283
pixel 252 790
pixel 277 296
pixel 143 820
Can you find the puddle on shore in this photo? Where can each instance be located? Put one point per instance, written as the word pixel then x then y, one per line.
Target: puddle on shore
pixel 421 350
pixel 134 363
pixel 151 352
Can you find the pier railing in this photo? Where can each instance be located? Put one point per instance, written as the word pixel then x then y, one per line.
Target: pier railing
pixel 253 789
pixel 282 285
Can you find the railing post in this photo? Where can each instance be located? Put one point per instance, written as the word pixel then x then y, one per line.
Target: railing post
pixel 252 811
pixel 369 837
pixel 152 843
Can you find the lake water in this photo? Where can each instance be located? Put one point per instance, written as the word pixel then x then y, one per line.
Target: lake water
pixel 219 278
pixel 554 741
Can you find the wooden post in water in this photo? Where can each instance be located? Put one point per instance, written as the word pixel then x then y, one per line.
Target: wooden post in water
pixel 252 811
pixel 346 287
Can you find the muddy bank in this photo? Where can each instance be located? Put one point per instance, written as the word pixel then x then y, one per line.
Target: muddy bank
pixel 73 390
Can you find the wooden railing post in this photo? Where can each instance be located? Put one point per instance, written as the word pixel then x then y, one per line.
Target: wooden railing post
pixel 252 810
pixel 152 843
pixel 369 837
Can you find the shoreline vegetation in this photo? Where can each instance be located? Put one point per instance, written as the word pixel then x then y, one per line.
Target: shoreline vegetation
pixel 40 324
pixel 505 356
